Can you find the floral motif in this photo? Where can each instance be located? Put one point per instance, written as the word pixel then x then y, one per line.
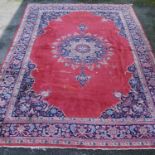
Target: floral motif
pixel 82 51
pixel 93 132
pixel 29 103
pixel 134 105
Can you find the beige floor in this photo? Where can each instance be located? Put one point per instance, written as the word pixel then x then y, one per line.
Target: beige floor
pixel 10 13
pixel 7 11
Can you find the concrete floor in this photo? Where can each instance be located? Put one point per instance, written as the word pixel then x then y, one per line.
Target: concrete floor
pixel 22 151
pixel 7 12
pixel 10 15
pixel 9 20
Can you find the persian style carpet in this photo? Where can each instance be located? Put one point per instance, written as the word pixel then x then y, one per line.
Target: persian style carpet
pixel 78 75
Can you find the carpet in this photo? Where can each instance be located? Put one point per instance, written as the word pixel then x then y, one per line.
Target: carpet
pixel 78 76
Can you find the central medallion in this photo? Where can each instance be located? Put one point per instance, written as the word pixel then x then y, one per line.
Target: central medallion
pixel 82 51
pixel 82 48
